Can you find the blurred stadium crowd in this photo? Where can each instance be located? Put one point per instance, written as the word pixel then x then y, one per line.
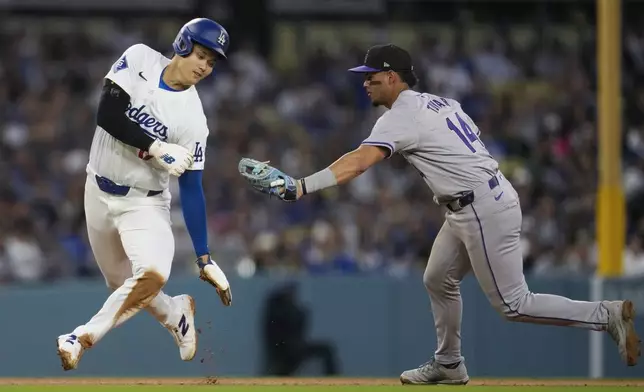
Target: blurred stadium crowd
pixel 532 97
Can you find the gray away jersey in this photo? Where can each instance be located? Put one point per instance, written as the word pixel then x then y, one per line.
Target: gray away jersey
pixel 438 139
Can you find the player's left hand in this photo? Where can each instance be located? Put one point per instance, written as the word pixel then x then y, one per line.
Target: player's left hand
pixel 270 180
pixel 210 272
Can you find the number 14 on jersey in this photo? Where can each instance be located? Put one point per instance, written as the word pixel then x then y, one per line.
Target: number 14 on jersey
pixel 464 132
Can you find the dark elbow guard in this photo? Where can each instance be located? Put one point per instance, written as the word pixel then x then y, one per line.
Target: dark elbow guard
pixel 111 117
pixel 111 106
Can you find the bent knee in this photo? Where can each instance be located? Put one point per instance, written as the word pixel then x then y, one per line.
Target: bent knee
pixel 514 316
pixel 113 284
pixel 114 281
pixel 507 313
pixel 509 310
pixel 432 278
pixel 151 279
pixel 148 282
pixel 143 287
pixel 438 282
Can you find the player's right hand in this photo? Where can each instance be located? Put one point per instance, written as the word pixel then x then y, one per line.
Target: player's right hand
pixel 172 157
pixel 210 272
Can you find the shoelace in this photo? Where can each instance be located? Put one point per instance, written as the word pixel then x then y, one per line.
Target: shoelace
pixel 427 365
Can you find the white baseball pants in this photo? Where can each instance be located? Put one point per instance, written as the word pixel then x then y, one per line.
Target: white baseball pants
pixel 133 245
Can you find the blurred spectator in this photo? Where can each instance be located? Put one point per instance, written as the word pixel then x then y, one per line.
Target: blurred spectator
pixel 25 258
pixel 634 257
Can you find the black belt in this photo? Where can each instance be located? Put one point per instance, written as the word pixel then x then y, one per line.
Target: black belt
pixel 109 186
pixel 468 198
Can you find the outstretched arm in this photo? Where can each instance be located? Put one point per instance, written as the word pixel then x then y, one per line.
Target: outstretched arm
pixel 272 181
pixel 343 170
pixel 193 206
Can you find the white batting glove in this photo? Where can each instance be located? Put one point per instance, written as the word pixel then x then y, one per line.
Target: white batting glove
pixel 172 157
pixel 210 272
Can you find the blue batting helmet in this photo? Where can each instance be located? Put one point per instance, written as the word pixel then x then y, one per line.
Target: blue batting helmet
pixel 205 32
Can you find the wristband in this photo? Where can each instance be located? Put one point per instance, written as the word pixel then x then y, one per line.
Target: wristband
pixel 318 181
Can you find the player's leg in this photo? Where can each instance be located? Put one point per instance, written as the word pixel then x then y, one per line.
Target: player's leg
pixel 108 253
pixel 176 314
pixel 116 268
pixel 148 243
pixel 491 231
pixel 146 235
pixel 448 264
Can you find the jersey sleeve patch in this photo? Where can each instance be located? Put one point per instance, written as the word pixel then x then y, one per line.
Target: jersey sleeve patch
pixel 120 65
pixel 199 152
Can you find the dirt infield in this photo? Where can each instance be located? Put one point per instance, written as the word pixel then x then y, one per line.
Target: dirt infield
pixel 303 381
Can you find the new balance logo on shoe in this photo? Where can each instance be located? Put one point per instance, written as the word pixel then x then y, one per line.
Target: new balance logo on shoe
pixel 183 325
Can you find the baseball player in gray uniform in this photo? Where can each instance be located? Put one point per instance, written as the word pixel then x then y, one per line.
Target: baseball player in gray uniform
pixel 482 228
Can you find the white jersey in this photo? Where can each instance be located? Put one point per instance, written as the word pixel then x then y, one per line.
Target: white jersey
pixel 438 139
pixel 170 116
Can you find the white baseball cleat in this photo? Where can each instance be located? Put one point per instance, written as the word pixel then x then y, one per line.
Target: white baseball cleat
pixel 622 330
pixel 432 373
pixel 185 332
pixel 70 350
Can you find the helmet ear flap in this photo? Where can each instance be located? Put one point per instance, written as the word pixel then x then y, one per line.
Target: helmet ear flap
pixel 182 44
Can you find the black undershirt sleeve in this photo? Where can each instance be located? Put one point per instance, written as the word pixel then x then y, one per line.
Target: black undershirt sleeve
pixel 111 117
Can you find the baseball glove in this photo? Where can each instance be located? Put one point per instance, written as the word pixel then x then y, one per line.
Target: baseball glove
pixel 267 179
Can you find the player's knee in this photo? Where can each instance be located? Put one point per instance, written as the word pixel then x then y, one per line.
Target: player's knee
pixel 149 282
pixel 435 281
pixel 114 281
pixel 112 284
pixel 506 312
pixel 511 315
pixel 143 287
pixel 509 310
pixel 162 272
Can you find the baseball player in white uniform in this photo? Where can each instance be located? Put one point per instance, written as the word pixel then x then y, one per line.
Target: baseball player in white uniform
pixel 150 125
pixel 483 218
